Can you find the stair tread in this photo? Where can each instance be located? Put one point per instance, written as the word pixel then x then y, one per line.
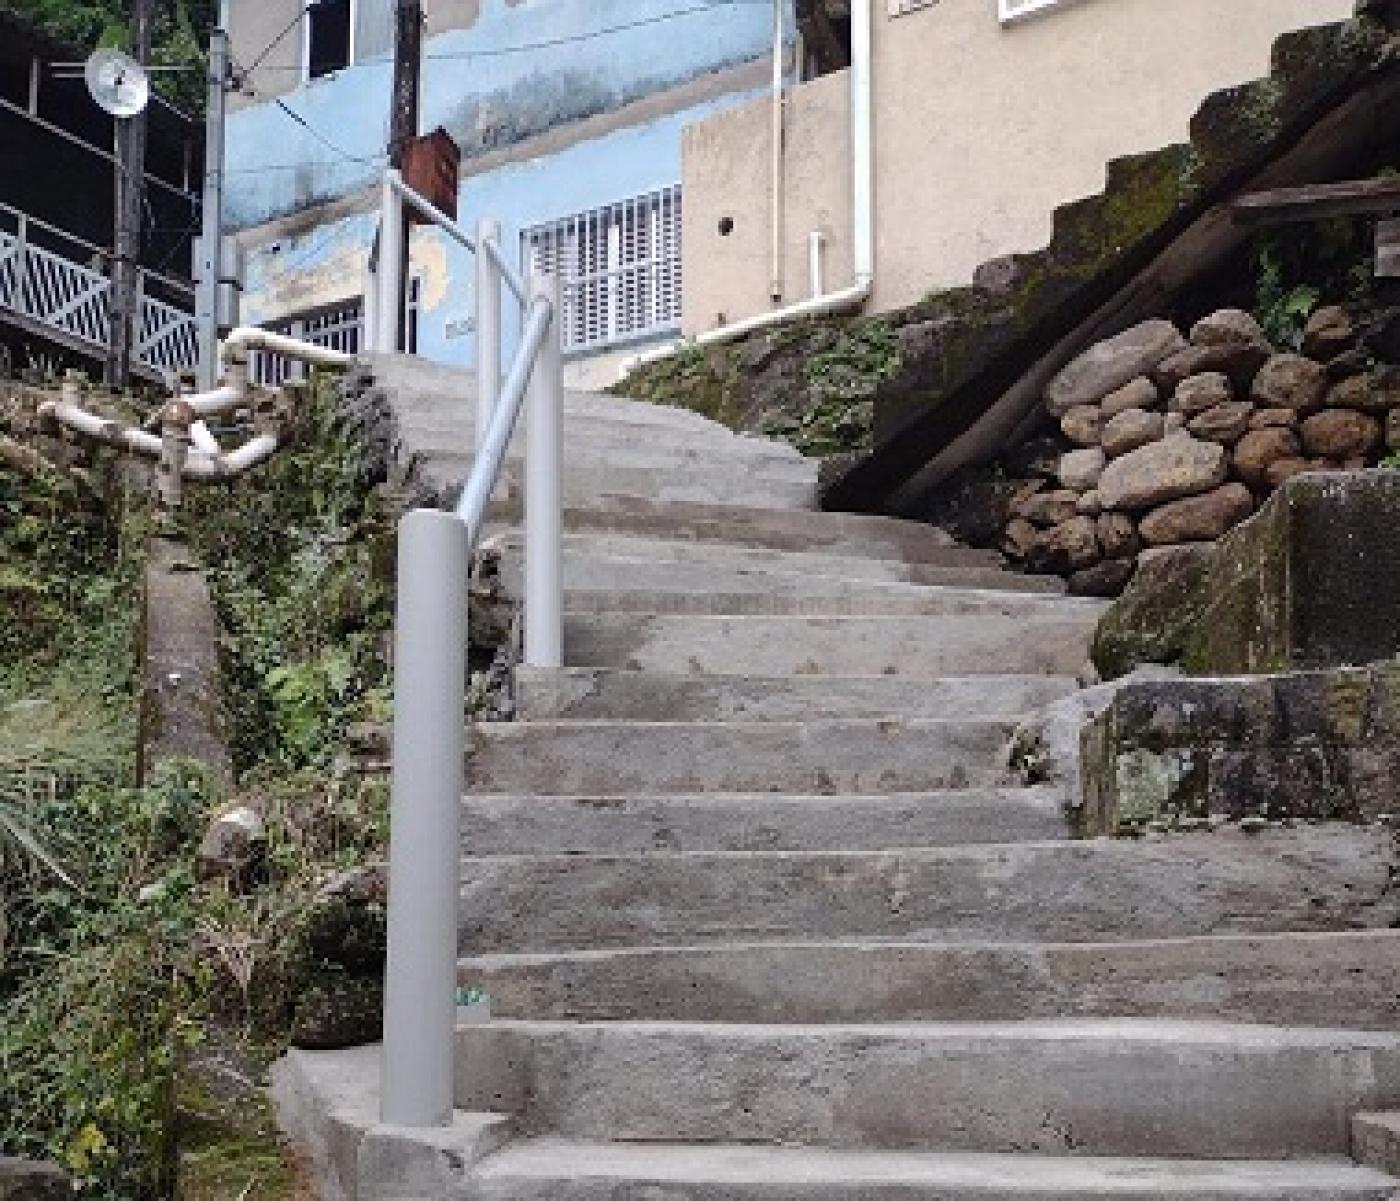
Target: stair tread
pixel 742 1164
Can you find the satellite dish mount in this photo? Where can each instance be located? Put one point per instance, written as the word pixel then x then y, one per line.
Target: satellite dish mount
pixel 117 82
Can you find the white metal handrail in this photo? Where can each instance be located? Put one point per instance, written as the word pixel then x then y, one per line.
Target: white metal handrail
pixel 430 642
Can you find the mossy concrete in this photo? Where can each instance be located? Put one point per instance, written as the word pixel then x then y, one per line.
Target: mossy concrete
pixel 1302 745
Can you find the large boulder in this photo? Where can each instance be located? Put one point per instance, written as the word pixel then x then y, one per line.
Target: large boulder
pixel 1177 466
pixel 1130 429
pixel 1330 331
pixel 1374 392
pixel 1083 425
pixel 1341 434
pixel 1140 393
pixel 1201 518
pixel 1105 579
pixel 1238 360
pixel 1226 423
pixel 1109 365
pixel 1080 469
pixel 1259 449
pixel 1069 546
pixel 1201 393
pixel 1229 327
pixel 1289 381
pixel 1152 620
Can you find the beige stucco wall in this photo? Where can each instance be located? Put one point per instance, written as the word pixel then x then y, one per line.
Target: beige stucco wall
pixel 980 132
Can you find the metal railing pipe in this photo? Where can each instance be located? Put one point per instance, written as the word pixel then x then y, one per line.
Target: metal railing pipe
pixel 425 840
pixel 544 490
pixel 428 209
pixel 488 328
pixel 388 308
pixel 508 273
pixel 491 452
pixel 252 337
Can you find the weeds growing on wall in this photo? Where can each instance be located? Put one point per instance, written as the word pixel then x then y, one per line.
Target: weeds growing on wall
pixel 117 964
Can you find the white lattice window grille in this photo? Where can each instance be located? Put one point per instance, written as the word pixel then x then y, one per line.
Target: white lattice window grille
pixel 620 267
pixel 1017 10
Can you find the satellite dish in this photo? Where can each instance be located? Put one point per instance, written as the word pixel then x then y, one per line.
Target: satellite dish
pixel 117 82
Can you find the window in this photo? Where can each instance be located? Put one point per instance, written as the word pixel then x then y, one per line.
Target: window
pixel 620 268
pixel 330 36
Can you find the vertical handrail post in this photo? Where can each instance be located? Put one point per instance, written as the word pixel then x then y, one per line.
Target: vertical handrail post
pixel 425 824
pixel 544 491
pixel 388 311
pixel 488 326
pixel 22 266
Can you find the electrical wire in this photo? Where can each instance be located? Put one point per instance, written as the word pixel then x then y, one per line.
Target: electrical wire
pixel 551 43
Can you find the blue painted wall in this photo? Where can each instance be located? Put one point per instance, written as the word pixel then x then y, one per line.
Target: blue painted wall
pixel 524 66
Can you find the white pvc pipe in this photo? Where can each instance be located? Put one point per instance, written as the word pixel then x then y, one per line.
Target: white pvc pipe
pixel 544 491
pixel 103 429
pixel 203 440
pixel 775 275
pixel 863 227
pixel 250 337
pixel 420 977
pixel 815 241
pixel 388 314
pixel 488 327
pixel 220 400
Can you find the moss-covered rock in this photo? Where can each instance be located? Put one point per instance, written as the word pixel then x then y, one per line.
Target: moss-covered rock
pixel 1153 620
pixel 1312 745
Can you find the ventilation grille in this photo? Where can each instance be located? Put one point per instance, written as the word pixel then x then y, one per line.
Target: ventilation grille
pixel 619 265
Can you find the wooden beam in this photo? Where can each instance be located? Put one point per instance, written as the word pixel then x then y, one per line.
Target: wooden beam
pixel 1388 250
pixel 1359 197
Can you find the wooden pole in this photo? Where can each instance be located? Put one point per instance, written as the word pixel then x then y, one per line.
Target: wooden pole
pixel 131 169
pixel 403 127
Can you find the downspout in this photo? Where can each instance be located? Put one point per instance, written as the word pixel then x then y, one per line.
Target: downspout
pixel 775 274
pixel 863 224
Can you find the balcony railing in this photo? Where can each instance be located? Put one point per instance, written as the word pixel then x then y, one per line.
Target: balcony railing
pixel 56 286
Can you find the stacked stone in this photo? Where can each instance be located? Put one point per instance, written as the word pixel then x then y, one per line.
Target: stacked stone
pixel 1174 440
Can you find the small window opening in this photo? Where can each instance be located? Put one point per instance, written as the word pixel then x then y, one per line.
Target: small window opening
pixel 726 226
pixel 328 37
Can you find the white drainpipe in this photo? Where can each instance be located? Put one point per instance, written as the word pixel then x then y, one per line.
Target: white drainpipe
pixel 863 224
pixel 775 275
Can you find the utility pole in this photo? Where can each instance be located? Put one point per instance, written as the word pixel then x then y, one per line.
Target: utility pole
pixel 131 171
pixel 206 302
pixel 403 127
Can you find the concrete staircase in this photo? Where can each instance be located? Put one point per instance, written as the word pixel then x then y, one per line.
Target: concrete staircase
pixel 762 913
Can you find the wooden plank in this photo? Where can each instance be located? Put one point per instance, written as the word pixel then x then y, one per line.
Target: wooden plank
pixel 1351 198
pixel 1388 249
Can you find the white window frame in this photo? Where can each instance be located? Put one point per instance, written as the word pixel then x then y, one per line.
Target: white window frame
pixel 353 15
pixel 1011 11
pixel 615 293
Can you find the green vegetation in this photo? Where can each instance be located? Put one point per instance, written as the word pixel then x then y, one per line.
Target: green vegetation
pixel 123 974
pixel 1295 267
pixel 180 35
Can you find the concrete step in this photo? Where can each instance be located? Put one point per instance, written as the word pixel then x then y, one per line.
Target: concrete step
pixel 730 558
pixel 601 694
pixel 419 386
pixel 554 1169
pixel 1098 1087
pixel 1329 979
pixel 563 758
pixel 915 647
pixel 540 825
pixel 593 435
pixel 593 566
pixel 587 482
pixel 846 534
pixel 1375 1141
pixel 668 589
pixel 1315 878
